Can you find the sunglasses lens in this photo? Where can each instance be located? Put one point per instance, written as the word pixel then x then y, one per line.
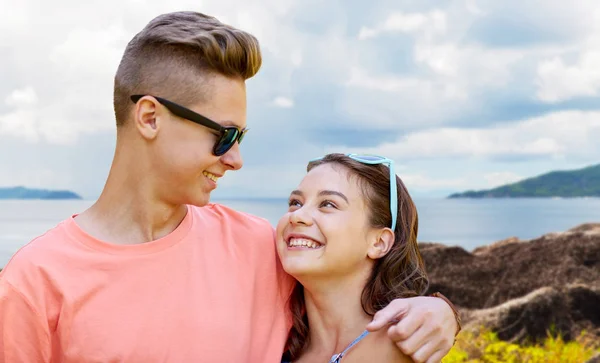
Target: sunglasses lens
pixel 226 141
pixel 367 158
pixel 241 137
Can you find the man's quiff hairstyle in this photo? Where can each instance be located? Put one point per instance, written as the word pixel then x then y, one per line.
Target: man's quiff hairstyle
pixel 175 57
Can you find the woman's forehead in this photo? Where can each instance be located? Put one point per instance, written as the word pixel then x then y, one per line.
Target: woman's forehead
pixel 332 177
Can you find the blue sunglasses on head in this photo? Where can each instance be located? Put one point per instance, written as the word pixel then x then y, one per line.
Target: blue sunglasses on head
pixel 374 160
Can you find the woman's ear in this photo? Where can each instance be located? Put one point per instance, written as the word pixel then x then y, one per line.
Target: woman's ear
pixel 381 243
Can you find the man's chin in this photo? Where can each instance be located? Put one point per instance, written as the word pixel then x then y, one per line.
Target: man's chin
pixel 198 200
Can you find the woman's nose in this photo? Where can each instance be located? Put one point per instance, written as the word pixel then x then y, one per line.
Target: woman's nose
pixel 301 216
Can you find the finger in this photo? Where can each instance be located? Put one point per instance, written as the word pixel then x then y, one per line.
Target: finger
pixel 406 327
pixel 409 342
pixel 395 310
pixel 424 353
pixel 436 357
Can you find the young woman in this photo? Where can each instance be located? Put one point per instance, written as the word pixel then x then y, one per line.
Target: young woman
pixel 350 239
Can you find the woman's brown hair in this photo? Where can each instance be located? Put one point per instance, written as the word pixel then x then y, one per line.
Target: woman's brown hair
pixel 400 273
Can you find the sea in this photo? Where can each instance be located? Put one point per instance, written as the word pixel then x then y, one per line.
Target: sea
pixel 468 223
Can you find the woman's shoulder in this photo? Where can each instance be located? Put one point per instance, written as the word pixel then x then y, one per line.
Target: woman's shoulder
pixel 377 347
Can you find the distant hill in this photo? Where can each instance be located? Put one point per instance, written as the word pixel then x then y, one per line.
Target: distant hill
pixel 27 193
pixel 566 184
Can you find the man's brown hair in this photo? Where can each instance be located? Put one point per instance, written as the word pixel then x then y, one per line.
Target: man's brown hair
pixel 174 51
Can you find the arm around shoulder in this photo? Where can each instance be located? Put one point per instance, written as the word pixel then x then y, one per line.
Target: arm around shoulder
pixel 384 350
pixel 24 335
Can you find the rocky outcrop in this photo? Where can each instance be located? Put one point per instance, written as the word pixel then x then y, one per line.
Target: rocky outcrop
pixel 567 311
pixel 522 289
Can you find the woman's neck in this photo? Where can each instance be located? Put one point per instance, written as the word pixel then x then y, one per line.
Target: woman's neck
pixel 335 314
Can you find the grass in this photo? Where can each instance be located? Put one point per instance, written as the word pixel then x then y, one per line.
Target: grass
pixel 484 346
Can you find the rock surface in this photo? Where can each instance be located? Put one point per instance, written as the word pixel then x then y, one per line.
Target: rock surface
pixel 522 289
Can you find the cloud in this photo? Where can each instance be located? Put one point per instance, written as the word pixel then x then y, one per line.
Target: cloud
pixel 21 124
pixel 478 85
pixel 22 97
pixel 573 72
pixel 499 178
pixel 283 102
pixel 556 135
pixel 558 81
pixel 72 65
pixel 66 83
pixel 81 166
pixel 35 178
pixel 236 185
pixel 388 100
pixel 422 182
pixel 434 21
pixel 522 24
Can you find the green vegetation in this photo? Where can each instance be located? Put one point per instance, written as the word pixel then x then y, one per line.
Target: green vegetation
pixel 26 193
pixel 567 184
pixel 484 346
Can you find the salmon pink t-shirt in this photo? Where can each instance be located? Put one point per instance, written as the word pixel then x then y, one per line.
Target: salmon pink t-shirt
pixel 211 291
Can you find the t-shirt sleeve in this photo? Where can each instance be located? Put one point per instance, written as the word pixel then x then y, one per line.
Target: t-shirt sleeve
pixel 286 282
pixel 24 337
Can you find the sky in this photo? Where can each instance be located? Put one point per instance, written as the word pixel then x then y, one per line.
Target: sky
pixel 462 95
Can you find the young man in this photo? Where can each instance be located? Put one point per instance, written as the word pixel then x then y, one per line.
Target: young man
pixel 153 272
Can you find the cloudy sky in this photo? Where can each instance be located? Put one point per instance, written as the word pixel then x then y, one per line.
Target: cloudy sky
pixel 464 94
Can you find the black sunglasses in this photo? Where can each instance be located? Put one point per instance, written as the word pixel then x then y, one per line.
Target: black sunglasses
pixel 228 135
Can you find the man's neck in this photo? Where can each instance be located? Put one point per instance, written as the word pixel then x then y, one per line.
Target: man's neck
pixel 129 211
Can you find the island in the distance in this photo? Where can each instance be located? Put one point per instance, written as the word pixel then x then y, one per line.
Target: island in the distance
pixel 559 184
pixel 28 193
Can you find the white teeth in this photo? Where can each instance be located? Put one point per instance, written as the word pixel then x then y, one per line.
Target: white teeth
pixel 301 242
pixel 210 176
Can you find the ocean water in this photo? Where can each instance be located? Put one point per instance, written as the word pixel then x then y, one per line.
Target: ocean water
pixel 464 222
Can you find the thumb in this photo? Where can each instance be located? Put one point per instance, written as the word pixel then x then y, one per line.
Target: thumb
pixel 392 313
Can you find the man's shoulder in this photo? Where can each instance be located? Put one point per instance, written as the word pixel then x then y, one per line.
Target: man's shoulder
pixel 31 259
pixel 225 214
pixel 241 227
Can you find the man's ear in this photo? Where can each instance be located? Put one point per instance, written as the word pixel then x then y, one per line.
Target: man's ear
pixel 145 117
pixel 381 243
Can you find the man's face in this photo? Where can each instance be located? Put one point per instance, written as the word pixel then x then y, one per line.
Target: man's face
pixel 187 170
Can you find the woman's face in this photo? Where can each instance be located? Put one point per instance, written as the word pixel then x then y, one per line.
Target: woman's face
pixel 325 232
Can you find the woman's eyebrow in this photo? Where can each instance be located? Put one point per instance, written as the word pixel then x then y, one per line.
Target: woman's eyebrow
pixel 333 192
pixel 322 193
